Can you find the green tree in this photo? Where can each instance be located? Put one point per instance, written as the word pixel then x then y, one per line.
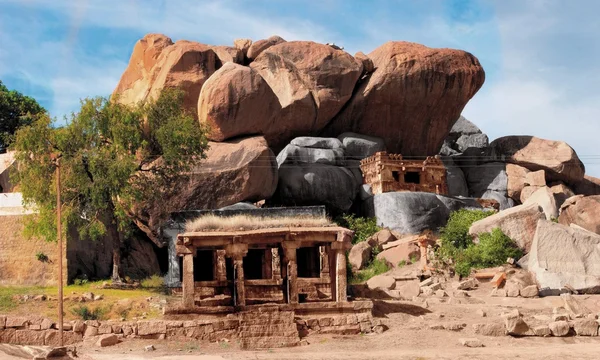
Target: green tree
pixel 16 110
pixel 111 157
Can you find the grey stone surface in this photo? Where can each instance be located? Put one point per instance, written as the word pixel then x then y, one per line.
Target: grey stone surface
pixel 359 146
pixel 316 184
pixel 412 212
pixel 479 141
pixel 240 206
pixel 317 142
pixel 455 178
pixel 293 154
pixel 365 192
pixel 354 167
pixel 490 176
pixel 463 126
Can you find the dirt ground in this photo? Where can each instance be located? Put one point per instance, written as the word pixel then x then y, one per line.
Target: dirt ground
pixel 409 336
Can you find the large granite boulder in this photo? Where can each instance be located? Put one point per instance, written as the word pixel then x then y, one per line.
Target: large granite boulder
pixel 359 255
pixel 358 147
pixel 136 80
pixel 157 64
pixel 413 212
pixel 564 255
pixel 236 101
pixel 413 97
pixel 518 223
pixel 257 47
pixel 312 82
pixel 240 170
pixel 316 184
pixel 582 211
pixel 589 185
pixel 557 158
pixel 481 178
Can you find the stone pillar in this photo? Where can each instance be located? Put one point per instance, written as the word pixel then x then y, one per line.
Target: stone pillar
pixel 340 279
pixel 188 280
pixel 221 269
pixel 292 272
pixel 324 254
pixel 275 264
pixel 240 289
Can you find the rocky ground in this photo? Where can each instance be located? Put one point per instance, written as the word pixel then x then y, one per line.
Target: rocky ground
pixel 415 331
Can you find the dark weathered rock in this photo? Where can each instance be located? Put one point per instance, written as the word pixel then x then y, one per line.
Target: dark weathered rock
pixel 293 154
pixel 359 146
pixel 490 176
pixel 316 184
pixel 457 185
pixel 413 97
pixel 413 212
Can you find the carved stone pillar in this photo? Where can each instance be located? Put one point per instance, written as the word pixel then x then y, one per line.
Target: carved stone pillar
pixel 240 289
pixel 340 280
pixel 275 264
pixel 188 280
pixel 221 269
pixel 324 254
pixel 292 272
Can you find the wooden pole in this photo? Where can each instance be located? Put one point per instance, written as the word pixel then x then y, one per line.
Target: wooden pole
pixel 60 255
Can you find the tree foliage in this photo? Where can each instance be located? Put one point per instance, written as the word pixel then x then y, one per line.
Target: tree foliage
pixel 363 227
pixel 16 110
pixel 111 157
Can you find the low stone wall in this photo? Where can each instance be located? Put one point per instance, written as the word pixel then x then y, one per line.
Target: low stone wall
pixel 266 326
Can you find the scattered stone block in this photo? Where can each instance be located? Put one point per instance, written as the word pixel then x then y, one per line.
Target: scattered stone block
pixel 16 322
pixel 436 327
pixel 470 342
pixel 149 348
pixel 559 328
pixel 460 294
pixel 104 329
pixel 498 279
pixel 107 340
pixel 78 326
pixel 585 327
pixel 427 291
pixel 512 289
pixel 435 287
pixel 542 330
pixel 529 291
pixel 468 284
pixel 495 329
pixel 426 282
pixel 455 326
pixel 90 331
pixel 151 327
pixel 381 282
pixel 481 313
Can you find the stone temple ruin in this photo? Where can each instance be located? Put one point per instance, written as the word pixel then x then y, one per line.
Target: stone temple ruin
pixel 390 172
pixel 258 261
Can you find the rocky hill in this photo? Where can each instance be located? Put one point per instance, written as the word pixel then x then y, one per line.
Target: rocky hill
pixel 322 110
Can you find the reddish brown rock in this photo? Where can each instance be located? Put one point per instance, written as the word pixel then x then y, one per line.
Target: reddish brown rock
pixel 413 97
pixel 240 170
pixel 157 64
pixel 312 82
pixel 582 211
pixel 516 180
pixel 236 101
pixel 228 54
pixel 556 158
pixel 561 193
pixel 243 45
pixel 536 178
pixel 259 46
pixel 589 185
pixel 359 255
pixel 365 61
pixel 136 81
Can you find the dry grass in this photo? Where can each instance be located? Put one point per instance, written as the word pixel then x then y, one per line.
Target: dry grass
pixel 245 222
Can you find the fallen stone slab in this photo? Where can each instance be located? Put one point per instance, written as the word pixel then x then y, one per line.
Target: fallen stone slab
pixel 529 291
pixel 542 330
pixel 471 342
pixel 468 284
pixel 107 340
pixel 585 327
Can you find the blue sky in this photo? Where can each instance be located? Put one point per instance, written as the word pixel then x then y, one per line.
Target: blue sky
pixel 540 56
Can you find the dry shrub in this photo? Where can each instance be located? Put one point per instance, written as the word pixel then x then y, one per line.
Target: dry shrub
pixel 246 222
